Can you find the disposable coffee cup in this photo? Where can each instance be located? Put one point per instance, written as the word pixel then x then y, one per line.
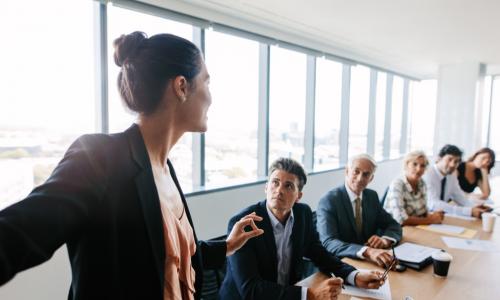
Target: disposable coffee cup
pixel 488 221
pixel 441 263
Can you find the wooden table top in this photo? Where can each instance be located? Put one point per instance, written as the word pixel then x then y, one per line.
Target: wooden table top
pixel 472 274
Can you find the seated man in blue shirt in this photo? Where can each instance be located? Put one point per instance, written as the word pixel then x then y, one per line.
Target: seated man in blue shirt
pixel 351 220
pixel 268 265
pixel 442 185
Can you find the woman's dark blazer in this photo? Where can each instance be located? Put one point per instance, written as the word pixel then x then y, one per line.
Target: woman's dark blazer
pixel 101 201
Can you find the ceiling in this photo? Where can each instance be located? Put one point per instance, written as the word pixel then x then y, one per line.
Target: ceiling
pixel 410 37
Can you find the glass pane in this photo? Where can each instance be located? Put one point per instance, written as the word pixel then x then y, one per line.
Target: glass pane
pixel 358 109
pixel 287 104
pixel 380 115
pixel 485 101
pixel 231 141
pixel 327 111
pixel 396 115
pixel 47 96
pixel 422 105
pixel 124 21
pixel 495 121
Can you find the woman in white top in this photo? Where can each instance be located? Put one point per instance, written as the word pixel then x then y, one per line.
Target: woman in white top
pixel 406 198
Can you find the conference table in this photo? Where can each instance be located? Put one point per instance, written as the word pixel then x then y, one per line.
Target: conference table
pixel 472 274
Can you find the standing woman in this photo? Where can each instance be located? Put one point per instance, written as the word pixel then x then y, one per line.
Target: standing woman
pixel 475 171
pixel 407 195
pixel 114 200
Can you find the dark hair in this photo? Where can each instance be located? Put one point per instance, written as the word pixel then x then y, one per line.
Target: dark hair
pixel 485 150
pixel 147 64
pixel 291 166
pixel 451 150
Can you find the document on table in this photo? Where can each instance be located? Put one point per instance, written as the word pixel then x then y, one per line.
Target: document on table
pixel 448 229
pixel 383 292
pixel 414 253
pixel 460 217
pixel 469 244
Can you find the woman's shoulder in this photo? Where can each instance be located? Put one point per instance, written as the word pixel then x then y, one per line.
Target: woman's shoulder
pixel 97 143
pixel 398 182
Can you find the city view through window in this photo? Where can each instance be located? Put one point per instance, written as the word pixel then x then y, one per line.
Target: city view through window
pixel 48 99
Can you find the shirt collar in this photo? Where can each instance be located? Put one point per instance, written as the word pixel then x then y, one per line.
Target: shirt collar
pixel 440 176
pixel 352 196
pixel 408 185
pixel 274 221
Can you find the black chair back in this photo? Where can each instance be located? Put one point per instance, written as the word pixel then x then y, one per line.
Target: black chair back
pixel 382 200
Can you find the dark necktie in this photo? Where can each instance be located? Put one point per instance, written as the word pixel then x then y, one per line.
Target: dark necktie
pixel 359 222
pixel 443 185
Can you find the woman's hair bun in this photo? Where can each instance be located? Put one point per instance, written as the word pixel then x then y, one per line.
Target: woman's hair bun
pixel 126 46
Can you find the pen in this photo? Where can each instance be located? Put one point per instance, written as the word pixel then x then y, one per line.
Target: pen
pixel 333 275
pixel 393 262
pixel 386 272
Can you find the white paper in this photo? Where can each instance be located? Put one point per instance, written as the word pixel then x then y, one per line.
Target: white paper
pixel 460 217
pixel 383 292
pixel 414 253
pixel 470 244
pixel 447 228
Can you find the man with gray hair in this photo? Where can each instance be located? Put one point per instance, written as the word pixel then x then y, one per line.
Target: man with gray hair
pixel 351 221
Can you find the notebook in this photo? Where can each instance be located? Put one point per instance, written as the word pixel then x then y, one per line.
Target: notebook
pixel 414 256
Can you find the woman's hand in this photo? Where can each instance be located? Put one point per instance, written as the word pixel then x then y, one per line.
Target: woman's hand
pixel 436 217
pixel 238 236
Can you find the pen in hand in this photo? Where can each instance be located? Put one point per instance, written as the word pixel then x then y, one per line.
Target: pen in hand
pixel 333 275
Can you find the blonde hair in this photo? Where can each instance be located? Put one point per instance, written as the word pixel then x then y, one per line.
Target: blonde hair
pixel 414 155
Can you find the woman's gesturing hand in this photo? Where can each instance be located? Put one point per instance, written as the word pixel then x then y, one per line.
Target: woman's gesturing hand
pixel 238 236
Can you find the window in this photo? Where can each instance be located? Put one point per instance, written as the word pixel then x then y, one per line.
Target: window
pixel 327 114
pixel 358 109
pixel 396 115
pixel 231 141
pixel 380 114
pixel 287 104
pixel 495 121
pixel 124 21
pixel 422 106
pixel 47 93
pixel 486 108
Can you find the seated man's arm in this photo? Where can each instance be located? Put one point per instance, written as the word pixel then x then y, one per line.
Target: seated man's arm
pixel 244 269
pixel 324 260
pixel 328 229
pixel 435 203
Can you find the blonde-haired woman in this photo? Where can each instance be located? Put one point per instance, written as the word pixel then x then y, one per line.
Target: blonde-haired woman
pixel 406 198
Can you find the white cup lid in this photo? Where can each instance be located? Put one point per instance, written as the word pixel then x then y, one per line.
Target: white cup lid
pixel 442 256
pixel 488 215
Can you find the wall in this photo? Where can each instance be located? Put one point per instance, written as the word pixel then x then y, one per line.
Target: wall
pixel 459 109
pixel 210 212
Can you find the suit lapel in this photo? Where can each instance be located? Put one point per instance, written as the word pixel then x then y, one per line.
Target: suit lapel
pixel 148 196
pixel 349 212
pixel 269 238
